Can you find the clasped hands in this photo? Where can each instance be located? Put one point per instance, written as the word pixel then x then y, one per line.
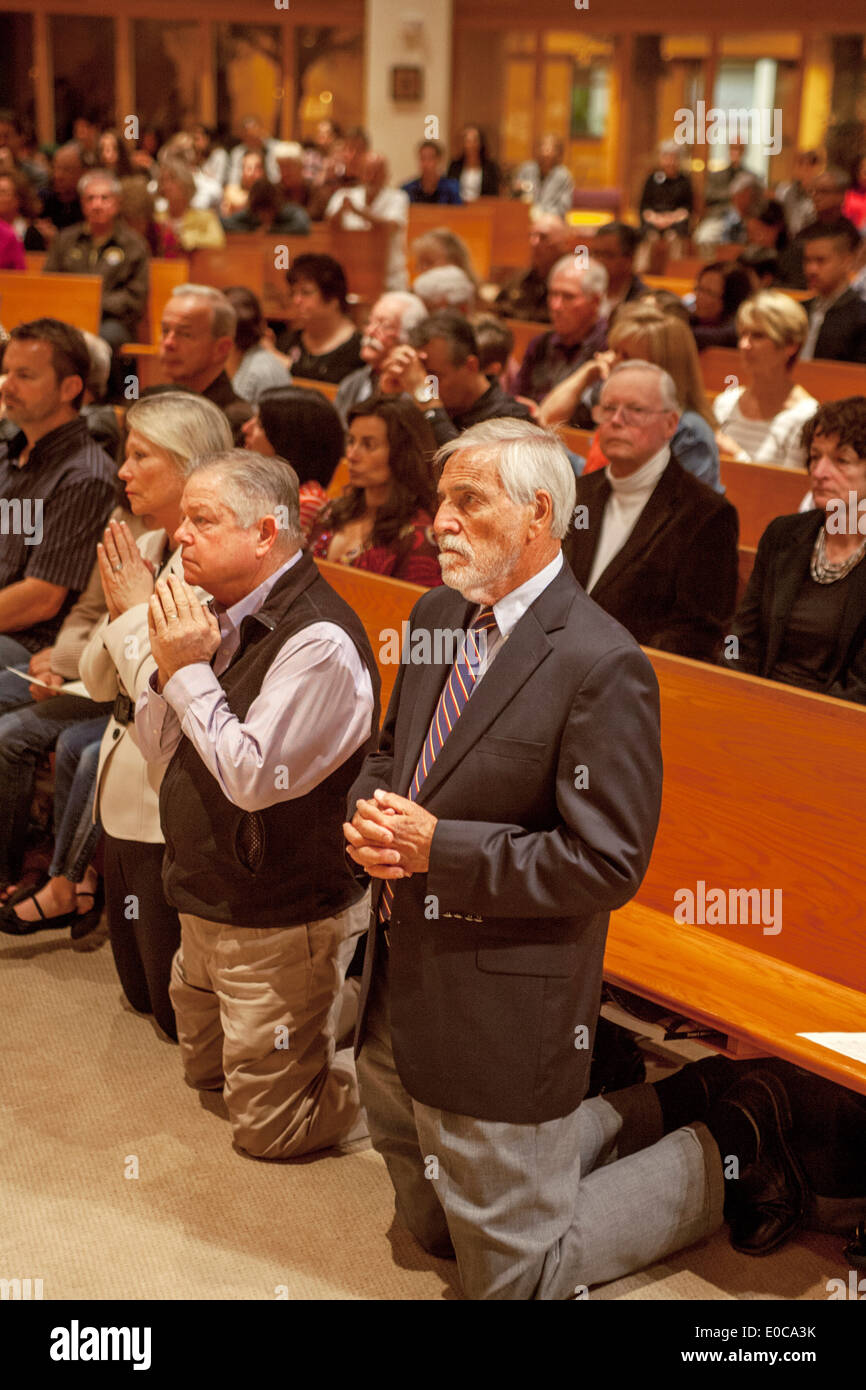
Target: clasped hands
pixel 182 630
pixel 127 578
pixel 390 836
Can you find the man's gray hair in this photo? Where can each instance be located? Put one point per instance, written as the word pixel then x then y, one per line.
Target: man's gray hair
pixel 529 460
pixel 666 384
pixel 446 282
pixel 99 176
pixel 412 310
pixel 253 486
pixel 100 365
pixel 223 319
pixel 593 275
pixel 182 423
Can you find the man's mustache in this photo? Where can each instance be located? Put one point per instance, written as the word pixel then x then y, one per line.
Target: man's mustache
pixel 455 546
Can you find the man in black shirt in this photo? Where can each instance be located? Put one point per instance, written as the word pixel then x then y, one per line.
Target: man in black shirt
pixel 196 337
pixel 61 205
pixel 57 488
pixel 440 372
pixel 524 295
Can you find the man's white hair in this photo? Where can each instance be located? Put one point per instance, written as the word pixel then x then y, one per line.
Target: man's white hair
pixel 448 283
pixel 529 460
pixel 411 309
pixel 100 176
pixel 666 384
pixel 223 319
pixel 593 275
pixel 254 486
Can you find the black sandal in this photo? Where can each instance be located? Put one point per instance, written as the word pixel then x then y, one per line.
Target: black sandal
pixel 84 923
pixel 13 925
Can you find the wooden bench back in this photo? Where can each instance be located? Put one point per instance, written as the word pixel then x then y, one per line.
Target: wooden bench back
pixel 381 604
pixel 760 493
pixel 74 299
pixel 762 789
pixel 328 389
pixel 471 223
pixel 823 379
pixel 165 276
pixel 509 239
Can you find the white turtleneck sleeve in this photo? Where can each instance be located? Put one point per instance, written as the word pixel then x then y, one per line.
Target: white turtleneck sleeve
pixel 627 500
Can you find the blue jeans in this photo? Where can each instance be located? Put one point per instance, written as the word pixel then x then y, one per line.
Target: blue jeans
pixel 26 735
pixel 76 763
pixel 13 692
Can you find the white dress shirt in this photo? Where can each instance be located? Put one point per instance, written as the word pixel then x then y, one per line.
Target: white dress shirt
pixel 627 500
pixel 509 610
pixel 314 709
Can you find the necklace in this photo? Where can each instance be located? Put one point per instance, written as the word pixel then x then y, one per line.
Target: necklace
pixel 822 571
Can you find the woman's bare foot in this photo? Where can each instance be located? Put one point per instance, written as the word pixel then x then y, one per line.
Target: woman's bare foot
pixel 85 891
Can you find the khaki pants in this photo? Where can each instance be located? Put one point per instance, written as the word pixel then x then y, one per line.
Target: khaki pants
pixel 257 1015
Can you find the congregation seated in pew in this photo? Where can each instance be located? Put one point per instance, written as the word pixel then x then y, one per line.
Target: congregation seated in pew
pixel 802 619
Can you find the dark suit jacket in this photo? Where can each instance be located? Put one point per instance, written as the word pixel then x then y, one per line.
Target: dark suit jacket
pixel 496 952
pixel 781 564
pixel 674 583
pixel 843 332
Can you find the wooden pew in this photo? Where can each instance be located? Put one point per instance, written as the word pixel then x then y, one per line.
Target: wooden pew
pixel 34 261
pixel 74 299
pixel 760 493
pixel 822 378
pixel 759 784
pixel 339 480
pixel 325 388
pixel 576 440
pixel 381 604
pixel 509 240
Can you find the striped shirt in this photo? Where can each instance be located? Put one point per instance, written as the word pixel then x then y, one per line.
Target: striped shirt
pixel 52 511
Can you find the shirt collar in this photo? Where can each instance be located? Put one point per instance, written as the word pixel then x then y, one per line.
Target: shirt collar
pixel 231 618
pixel 53 440
pixel 825 302
pixel 511 607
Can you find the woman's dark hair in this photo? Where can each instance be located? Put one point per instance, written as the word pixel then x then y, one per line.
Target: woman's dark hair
pixel 325 273
pixel 482 141
pixel 411 446
pixel 772 214
pixel 250 319
pixel 124 164
pixel 305 430
pixel 265 196
pixel 736 285
pixel 846 418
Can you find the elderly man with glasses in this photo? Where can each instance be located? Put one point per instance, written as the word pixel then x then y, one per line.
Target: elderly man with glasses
pixel 653 546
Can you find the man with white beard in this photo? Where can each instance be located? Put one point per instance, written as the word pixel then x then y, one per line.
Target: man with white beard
pixel 391 320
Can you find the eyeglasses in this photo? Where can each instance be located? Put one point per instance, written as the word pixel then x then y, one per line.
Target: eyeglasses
pixel 631 414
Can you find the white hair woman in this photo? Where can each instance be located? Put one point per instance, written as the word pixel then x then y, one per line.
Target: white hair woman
pixel 763 420
pixel 167 433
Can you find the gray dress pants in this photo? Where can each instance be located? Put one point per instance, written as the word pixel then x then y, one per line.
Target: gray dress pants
pixel 538 1211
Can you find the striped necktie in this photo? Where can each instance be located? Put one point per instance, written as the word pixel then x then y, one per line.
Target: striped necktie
pixel 459 686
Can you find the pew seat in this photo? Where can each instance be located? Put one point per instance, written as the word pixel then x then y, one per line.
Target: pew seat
pixel 382 605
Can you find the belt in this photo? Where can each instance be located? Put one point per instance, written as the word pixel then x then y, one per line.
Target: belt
pixel 124 709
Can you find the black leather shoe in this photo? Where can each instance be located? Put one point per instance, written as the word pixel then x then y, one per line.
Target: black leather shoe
pixel 767 1203
pixel 13 925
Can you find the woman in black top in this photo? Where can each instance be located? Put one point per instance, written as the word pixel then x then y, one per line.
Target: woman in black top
pixel 482 176
pixel 802 620
pixel 323 343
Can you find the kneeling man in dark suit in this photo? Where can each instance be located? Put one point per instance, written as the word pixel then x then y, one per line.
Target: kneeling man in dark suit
pixel 654 546
pixel 511 805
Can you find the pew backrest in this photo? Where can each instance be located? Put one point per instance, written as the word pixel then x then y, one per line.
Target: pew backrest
pixel 75 299
pixel 383 605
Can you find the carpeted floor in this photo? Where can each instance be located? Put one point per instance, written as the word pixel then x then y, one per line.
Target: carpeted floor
pixel 117 1181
